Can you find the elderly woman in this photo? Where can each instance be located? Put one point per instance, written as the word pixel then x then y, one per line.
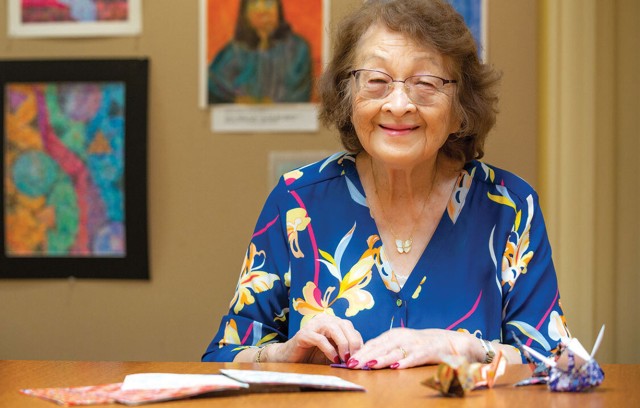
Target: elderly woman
pixel 406 248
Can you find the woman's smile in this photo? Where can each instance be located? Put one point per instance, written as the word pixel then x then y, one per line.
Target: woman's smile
pixel 397 130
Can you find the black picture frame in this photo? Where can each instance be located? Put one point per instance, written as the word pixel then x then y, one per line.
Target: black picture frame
pixel 128 259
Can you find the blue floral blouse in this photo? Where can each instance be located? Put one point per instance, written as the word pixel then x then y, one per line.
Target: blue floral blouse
pixel 487 269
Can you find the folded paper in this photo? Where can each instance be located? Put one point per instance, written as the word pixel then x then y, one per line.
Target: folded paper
pixel 156 387
pixel 277 380
pixel 115 393
pixel 455 376
pixel 572 369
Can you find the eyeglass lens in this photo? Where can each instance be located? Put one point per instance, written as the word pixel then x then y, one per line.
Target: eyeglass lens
pixel 421 89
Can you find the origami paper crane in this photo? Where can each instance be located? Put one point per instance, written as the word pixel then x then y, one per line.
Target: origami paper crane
pixel 456 376
pixel 573 369
pixel 539 371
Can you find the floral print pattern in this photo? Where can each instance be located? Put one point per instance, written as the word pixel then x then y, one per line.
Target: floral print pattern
pixel 251 280
pixel 316 250
pixel 297 221
pixel 350 287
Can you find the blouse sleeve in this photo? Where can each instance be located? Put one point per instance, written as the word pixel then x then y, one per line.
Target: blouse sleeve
pixel 259 310
pixel 531 300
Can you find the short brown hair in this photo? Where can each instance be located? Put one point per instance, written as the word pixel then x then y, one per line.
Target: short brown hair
pixel 431 22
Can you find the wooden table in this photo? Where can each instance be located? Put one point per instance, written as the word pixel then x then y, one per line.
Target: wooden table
pixel 385 388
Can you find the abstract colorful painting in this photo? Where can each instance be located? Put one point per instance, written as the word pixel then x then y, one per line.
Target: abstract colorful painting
pixel 58 18
pixel 67 152
pixel 64 169
pixel 47 11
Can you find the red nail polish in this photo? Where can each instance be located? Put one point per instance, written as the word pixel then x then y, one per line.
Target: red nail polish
pixel 352 363
pixel 336 360
pixel 394 366
pixel 372 363
pixel 347 356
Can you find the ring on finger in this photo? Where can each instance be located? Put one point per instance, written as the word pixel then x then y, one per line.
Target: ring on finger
pixel 404 352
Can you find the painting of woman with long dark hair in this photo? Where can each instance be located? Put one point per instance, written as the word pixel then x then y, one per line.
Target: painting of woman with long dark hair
pixel 265 61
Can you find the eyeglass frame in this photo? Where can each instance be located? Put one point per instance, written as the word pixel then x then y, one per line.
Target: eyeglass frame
pixel 407 88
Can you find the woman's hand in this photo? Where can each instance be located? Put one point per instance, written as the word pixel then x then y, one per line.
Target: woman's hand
pixel 404 348
pixel 324 339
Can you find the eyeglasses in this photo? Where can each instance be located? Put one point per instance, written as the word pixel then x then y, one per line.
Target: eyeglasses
pixel 421 89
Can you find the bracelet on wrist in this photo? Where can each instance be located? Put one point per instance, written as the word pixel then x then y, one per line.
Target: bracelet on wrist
pixel 259 358
pixel 490 352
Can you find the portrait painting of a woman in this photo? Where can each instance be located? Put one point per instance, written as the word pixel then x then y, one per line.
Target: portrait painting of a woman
pixel 265 62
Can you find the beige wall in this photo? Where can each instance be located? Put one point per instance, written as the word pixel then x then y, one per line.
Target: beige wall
pixel 205 191
pixel 626 144
pixel 589 114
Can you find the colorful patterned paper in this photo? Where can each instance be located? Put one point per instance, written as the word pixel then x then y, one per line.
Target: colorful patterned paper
pixel 576 378
pixel 112 393
pixel 572 369
pixel 91 395
pixel 456 376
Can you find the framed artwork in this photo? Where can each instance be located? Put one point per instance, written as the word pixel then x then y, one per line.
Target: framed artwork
pixel 475 13
pixel 75 18
pixel 260 59
pixel 74 169
pixel 281 162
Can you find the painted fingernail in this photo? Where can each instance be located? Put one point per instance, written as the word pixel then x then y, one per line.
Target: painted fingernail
pixel 394 366
pixel 352 363
pixel 372 363
pixel 336 360
pixel 347 356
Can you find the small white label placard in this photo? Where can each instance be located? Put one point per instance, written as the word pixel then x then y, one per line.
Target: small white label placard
pixel 264 119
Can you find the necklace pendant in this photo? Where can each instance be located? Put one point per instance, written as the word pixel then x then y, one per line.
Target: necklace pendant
pixel 403 247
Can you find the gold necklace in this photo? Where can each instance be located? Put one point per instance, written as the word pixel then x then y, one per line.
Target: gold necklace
pixel 403 246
